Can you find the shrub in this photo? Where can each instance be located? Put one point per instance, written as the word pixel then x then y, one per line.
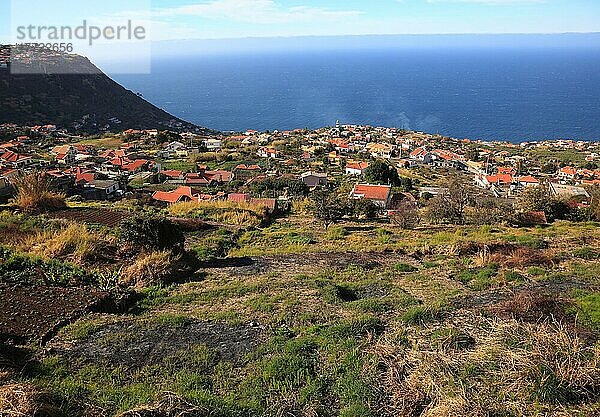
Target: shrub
pixel 402 267
pixel 228 212
pixel 150 269
pixel 18 268
pixel 588 308
pixel 419 315
pixel 336 233
pixel 35 194
pixel 586 253
pixel 75 242
pixel 152 233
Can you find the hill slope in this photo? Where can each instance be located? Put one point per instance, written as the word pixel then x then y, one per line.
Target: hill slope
pixel 87 101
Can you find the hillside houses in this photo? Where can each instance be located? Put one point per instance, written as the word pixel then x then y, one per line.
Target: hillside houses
pixel 177 170
pixel 356 168
pixel 314 179
pixel 380 195
pixel 15 160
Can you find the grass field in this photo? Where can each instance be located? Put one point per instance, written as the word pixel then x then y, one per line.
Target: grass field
pixel 363 319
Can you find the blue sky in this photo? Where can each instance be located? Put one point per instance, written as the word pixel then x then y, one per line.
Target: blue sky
pixel 214 19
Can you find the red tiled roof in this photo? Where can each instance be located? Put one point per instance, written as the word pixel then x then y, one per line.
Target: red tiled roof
pixel 499 179
pixel 134 165
pixel 248 167
pixel 239 198
pixel 10 156
pixel 568 170
pixel 372 192
pixel 507 170
pixel 418 152
pixel 172 174
pixel 358 165
pixel 175 196
pixel 529 179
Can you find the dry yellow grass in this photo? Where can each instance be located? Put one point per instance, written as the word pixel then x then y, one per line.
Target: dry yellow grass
pixel 149 269
pixel 229 212
pixel 35 194
pixel 513 368
pixel 24 400
pixel 75 243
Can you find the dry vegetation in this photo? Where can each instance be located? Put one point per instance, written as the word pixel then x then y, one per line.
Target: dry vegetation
pixel 36 194
pixel 364 319
pixel 150 269
pixel 472 365
pixel 226 212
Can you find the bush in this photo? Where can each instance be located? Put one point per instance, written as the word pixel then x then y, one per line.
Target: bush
pixel 336 233
pixel 228 212
pixel 35 194
pixel 24 269
pixel 75 242
pixel 150 269
pixel 586 253
pixel 401 267
pixel 152 233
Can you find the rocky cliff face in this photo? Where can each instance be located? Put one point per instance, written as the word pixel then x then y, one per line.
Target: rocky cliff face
pixel 84 100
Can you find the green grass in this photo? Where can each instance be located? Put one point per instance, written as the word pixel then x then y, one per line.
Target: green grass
pixel 420 315
pixel 479 279
pixel 588 308
pixel 402 267
pixel 587 253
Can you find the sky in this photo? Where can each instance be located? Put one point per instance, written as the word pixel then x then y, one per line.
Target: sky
pixel 224 19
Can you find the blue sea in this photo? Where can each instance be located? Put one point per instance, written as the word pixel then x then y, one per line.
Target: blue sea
pixel 508 93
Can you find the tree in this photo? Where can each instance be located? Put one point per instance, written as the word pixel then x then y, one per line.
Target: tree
pixel 380 172
pixel 540 199
pixel 473 155
pixel 549 168
pixel 366 208
pixel 327 207
pixel 405 215
pixel 168 136
pixel 490 210
pixel 451 203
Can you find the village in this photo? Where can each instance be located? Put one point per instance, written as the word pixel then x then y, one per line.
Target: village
pixel 140 256
pixel 165 168
pixel 170 168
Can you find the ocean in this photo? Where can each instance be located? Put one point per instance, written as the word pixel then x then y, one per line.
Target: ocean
pixel 509 93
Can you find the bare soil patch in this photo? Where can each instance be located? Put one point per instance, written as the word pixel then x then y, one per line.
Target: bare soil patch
pixel 102 216
pixel 33 313
pixel 309 262
pixel 135 344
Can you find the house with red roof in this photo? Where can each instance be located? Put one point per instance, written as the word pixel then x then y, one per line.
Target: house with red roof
pixel 423 155
pixel 15 160
pixel 528 181
pixel 112 154
pixel 173 176
pixel 179 195
pixel 266 152
pixel 567 173
pixel 206 177
pixel 246 171
pixel 507 171
pixel 381 195
pixel 239 197
pixel 356 168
